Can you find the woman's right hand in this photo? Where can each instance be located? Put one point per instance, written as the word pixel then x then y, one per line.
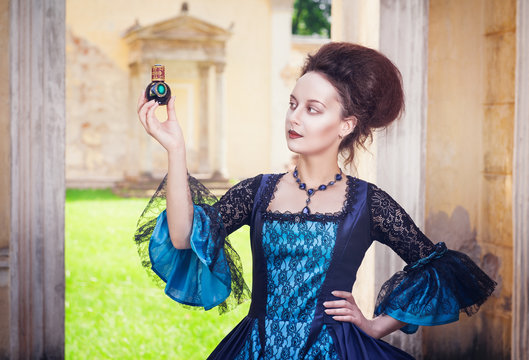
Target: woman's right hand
pixel 168 133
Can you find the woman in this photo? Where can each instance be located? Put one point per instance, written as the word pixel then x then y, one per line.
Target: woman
pixel 310 229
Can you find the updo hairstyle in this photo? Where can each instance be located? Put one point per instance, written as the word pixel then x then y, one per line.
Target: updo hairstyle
pixel 369 85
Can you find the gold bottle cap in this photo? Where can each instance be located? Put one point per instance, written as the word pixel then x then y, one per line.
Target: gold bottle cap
pixel 158 73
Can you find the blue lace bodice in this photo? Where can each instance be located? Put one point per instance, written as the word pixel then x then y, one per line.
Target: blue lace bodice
pixel 297 259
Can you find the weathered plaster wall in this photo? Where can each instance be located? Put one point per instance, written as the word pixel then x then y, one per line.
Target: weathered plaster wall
pixel 469 161
pixel 97 128
pixel 5 178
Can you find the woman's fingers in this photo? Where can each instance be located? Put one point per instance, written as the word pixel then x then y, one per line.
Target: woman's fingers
pixel 347 302
pixel 340 311
pixel 337 304
pixel 343 310
pixel 347 311
pixel 171 113
pixel 343 294
pixel 142 113
pixel 152 120
pixel 346 295
pixel 344 314
pixel 141 100
pixel 344 318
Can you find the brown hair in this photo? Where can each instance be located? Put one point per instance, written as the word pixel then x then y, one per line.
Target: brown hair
pixel 369 85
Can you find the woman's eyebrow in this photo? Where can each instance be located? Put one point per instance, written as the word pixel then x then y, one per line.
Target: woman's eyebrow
pixel 317 101
pixel 309 100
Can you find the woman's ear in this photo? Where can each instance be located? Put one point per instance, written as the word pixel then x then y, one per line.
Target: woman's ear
pixel 348 125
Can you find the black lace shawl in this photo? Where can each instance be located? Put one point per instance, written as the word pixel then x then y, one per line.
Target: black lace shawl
pixel 235 209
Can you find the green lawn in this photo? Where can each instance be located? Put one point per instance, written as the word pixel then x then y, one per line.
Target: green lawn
pixel 113 309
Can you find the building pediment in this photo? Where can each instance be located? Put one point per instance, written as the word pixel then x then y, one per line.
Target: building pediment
pixel 181 28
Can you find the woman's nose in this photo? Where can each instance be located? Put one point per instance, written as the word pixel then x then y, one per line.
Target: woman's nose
pixel 293 116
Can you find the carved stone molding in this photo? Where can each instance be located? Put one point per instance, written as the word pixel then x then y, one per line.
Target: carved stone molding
pixel 181 38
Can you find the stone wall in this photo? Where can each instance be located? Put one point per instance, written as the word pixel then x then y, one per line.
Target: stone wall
pixel 469 161
pixel 97 134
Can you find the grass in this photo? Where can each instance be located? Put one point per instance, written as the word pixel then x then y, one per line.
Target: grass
pixel 113 309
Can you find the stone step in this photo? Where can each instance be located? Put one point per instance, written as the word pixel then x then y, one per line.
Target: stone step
pixel 145 185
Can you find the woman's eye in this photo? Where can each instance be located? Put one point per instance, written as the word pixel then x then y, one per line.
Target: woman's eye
pixel 312 110
pixel 292 105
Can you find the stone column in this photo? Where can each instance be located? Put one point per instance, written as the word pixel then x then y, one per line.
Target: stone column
pixel 520 326
pixel 220 167
pixel 356 21
pixel 280 44
pixel 36 252
pixel 401 149
pixel 349 20
pixel 203 140
pixel 5 179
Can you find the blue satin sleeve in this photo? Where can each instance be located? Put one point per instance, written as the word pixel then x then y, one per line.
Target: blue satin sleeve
pixel 199 276
pixel 434 290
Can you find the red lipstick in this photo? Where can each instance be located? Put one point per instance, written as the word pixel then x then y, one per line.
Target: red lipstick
pixel 293 135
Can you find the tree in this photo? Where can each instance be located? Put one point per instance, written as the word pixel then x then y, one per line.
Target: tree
pixel 312 17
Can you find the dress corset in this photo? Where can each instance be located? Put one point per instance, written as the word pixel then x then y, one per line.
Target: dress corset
pixel 295 257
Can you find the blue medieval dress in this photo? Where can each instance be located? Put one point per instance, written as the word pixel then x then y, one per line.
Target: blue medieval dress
pixel 298 259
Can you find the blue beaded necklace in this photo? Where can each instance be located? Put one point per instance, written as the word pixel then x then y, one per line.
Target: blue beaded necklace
pixel 311 191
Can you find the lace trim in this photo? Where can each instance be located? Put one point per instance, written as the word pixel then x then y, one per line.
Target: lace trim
pixel 295 217
pixel 234 208
pixel 439 250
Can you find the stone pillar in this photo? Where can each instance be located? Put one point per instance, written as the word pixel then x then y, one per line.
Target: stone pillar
pixel 349 20
pixel 220 167
pixel 5 180
pixel 280 45
pixel 203 98
pixel 37 121
pixel 520 326
pixel 401 149
pixel 356 21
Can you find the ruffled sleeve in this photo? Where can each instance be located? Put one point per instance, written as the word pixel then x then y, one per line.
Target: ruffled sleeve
pixel 208 274
pixel 436 284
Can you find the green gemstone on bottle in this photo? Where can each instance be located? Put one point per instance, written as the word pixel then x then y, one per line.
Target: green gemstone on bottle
pixel 161 89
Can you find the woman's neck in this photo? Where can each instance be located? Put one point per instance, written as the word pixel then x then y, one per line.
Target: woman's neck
pixel 314 171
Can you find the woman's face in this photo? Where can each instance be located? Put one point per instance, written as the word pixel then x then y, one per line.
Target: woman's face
pixel 315 113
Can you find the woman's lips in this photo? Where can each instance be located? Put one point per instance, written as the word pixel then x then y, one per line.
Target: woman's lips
pixel 293 135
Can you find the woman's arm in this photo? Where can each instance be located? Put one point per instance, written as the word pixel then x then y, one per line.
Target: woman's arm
pixel 179 203
pixel 384 325
pixel 436 284
pixel 170 136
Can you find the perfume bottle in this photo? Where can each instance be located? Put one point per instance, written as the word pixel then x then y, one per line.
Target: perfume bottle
pixel 158 89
